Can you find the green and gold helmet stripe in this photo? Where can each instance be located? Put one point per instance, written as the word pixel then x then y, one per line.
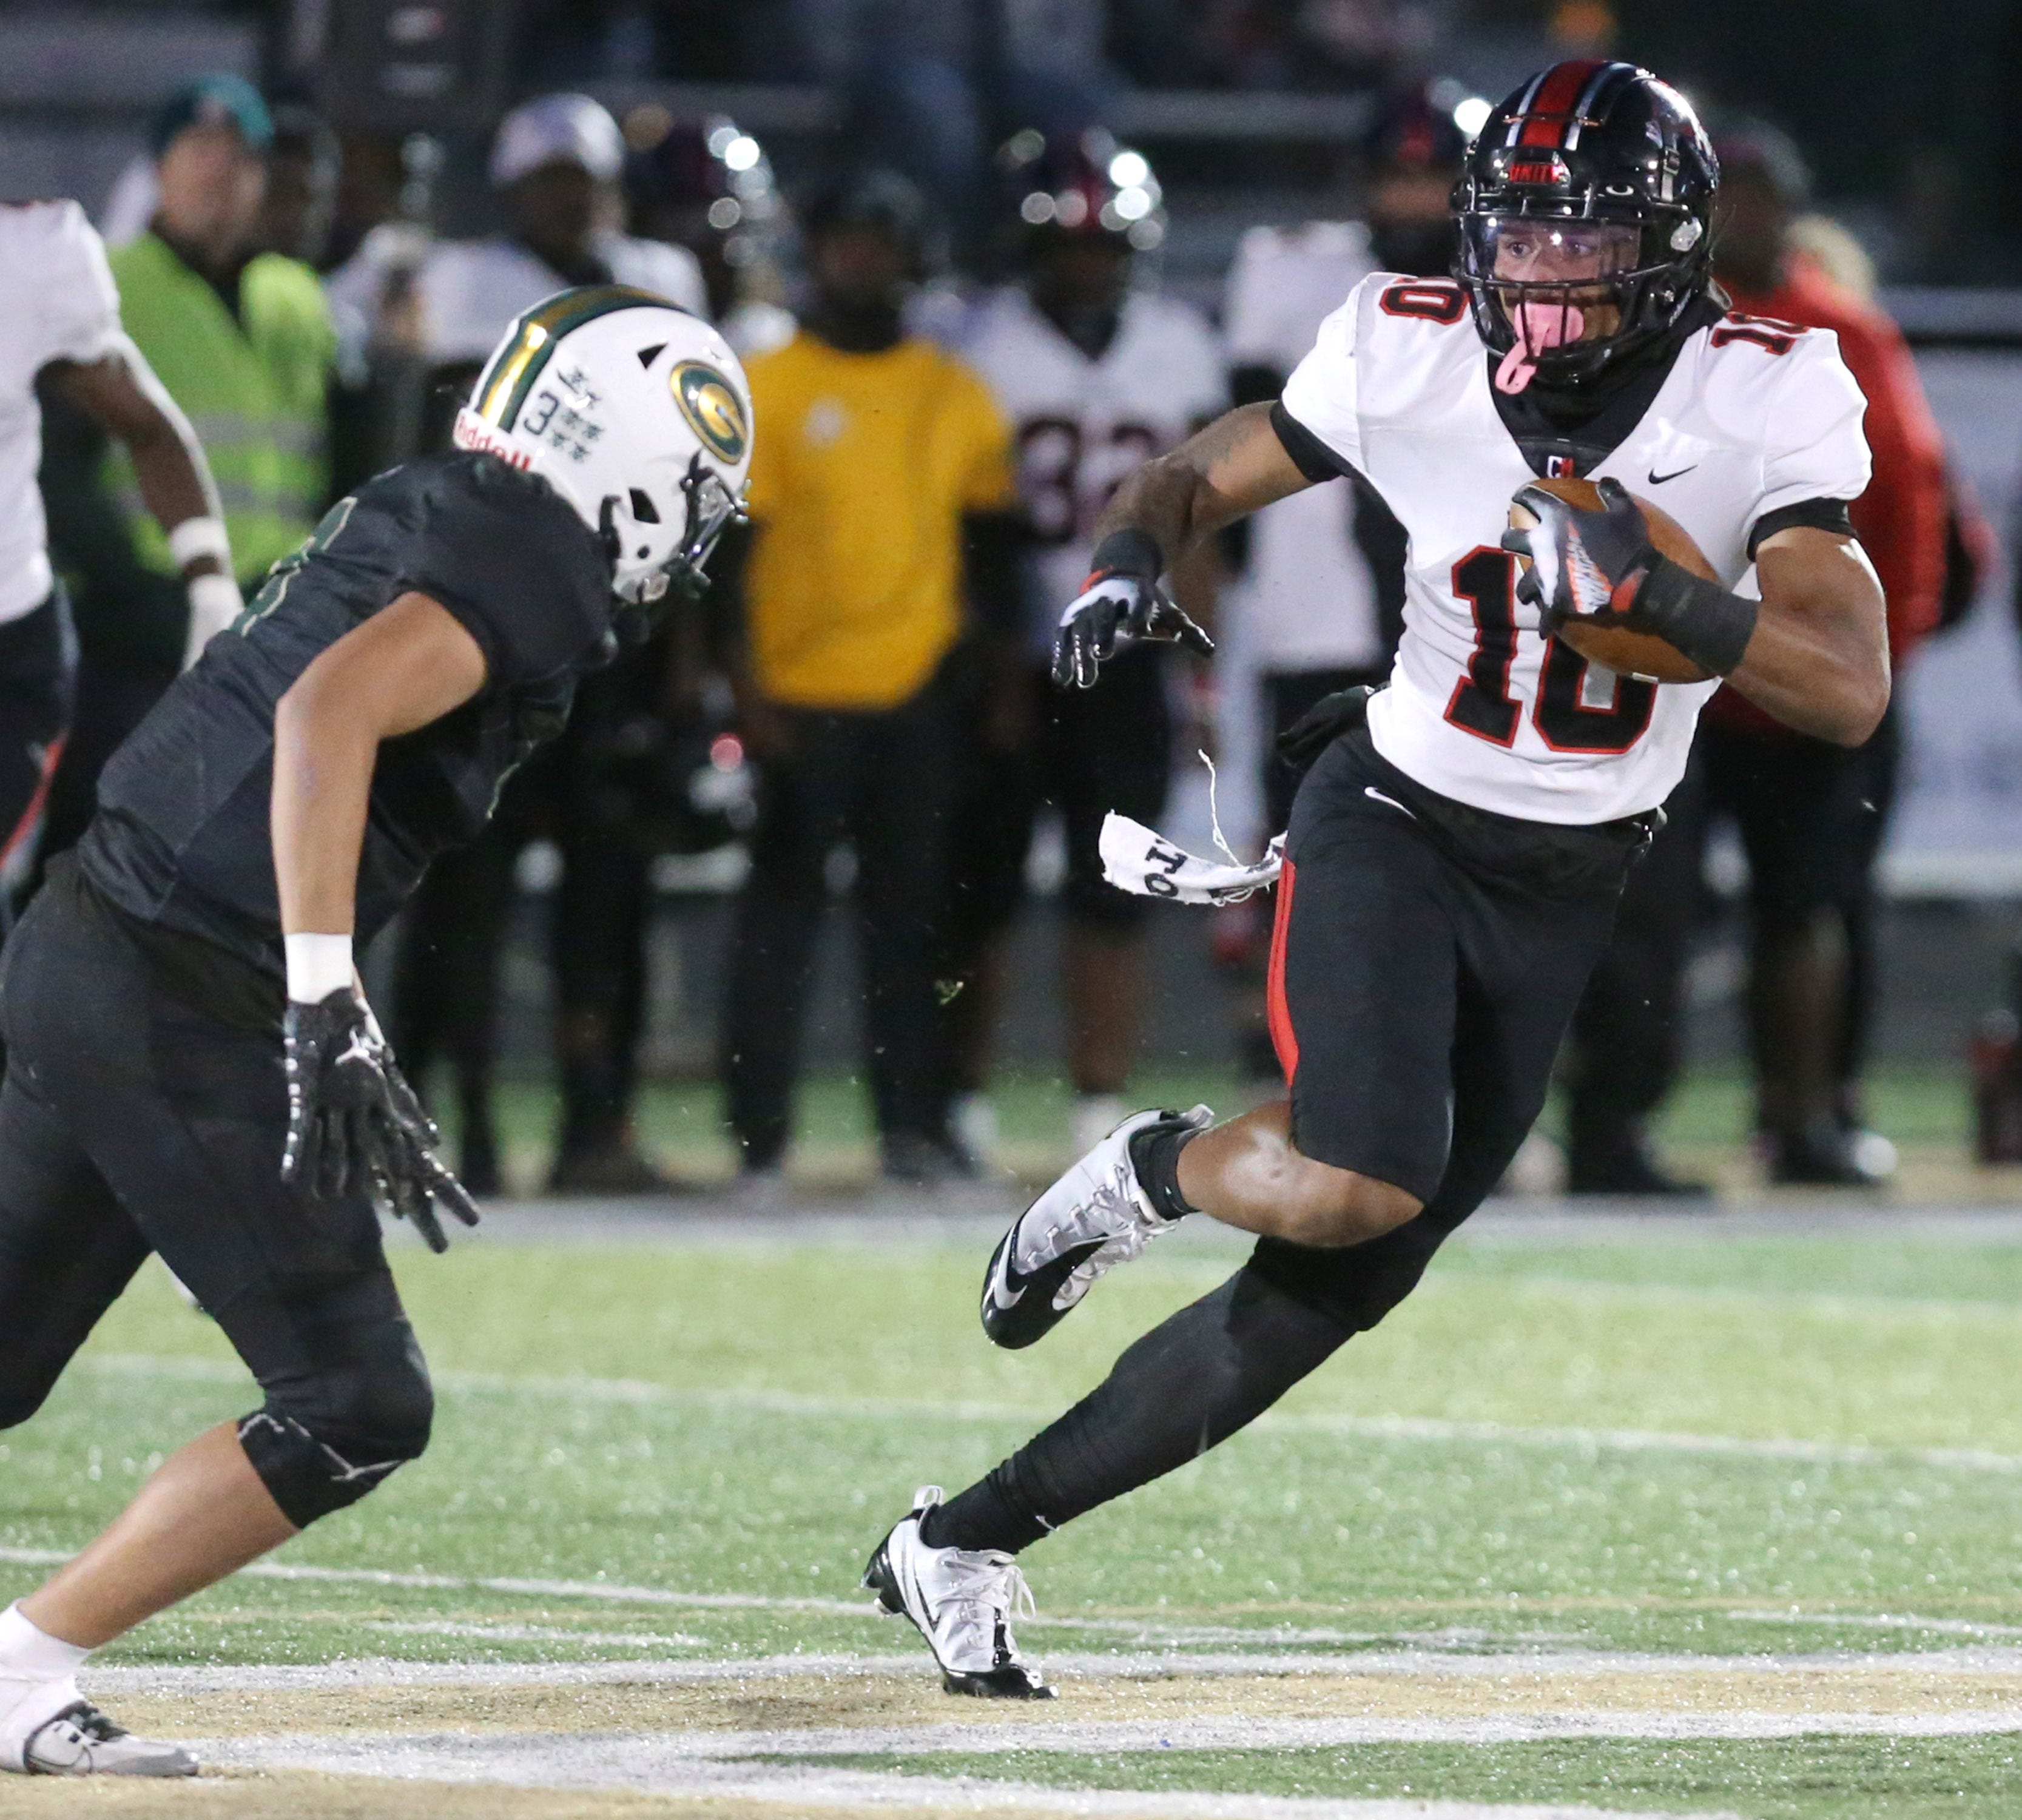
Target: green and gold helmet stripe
pixel 503 386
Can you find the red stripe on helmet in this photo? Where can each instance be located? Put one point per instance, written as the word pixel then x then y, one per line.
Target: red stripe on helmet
pixel 1551 110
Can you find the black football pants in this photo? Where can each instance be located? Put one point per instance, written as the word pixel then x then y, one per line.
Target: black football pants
pixel 1427 960
pixel 37 693
pixel 883 783
pixel 133 1121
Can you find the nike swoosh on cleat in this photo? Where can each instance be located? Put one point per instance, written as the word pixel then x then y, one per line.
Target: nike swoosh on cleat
pixel 1658 480
pixel 1001 1280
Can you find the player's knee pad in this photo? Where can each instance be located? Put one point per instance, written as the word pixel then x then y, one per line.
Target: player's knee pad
pixel 358 1424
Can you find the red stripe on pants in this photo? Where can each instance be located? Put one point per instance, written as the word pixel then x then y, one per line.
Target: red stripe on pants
pixel 1284 1039
pixel 31 817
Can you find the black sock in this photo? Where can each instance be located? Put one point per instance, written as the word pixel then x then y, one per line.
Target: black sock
pixel 1188 1384
pixel 1154 1154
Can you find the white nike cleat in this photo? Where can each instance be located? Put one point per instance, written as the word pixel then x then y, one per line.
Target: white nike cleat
pixel 961 1600
pixel 52 1731
pixel 1095 1217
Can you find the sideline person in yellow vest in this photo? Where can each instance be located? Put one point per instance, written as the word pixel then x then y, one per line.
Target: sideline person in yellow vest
pixel 242 342
pixel 883 507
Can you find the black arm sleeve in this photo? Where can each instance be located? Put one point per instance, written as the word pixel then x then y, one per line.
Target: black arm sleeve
pixel 993 548
pixel 523 574
pixel 1822 514
pixel 1311 456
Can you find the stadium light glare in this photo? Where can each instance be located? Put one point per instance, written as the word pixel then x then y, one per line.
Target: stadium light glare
pixel 742 153
pixel 1471 115
pixel 1128 169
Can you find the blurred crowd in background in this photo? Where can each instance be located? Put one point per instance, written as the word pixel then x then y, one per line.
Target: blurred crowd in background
pixel 964 322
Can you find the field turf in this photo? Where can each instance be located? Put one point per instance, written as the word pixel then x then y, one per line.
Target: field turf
pixel 1679 1519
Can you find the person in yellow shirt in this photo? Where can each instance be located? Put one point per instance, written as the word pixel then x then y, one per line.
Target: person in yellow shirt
pixel 884 521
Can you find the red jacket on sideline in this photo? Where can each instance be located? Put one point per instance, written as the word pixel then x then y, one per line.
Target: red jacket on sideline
pixel 1901 517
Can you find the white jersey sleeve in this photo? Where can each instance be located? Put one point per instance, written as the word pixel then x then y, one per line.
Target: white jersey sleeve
pixel 1814 447
pixel 57 297
pixel 79 302
pixel 1321 395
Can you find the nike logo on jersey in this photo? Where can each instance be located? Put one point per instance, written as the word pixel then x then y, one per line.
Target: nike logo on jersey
pixel 1370 790
pixel 1658 480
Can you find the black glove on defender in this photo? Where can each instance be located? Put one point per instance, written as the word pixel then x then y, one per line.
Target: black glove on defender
pixel 354 1121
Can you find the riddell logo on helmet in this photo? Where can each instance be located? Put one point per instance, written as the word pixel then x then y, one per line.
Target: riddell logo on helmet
pixel 473 432
pixel 1540 170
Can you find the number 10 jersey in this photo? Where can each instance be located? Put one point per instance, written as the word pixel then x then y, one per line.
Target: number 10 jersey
pixel 1756 427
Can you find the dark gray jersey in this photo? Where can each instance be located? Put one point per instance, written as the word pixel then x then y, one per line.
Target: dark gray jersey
pixel 181 839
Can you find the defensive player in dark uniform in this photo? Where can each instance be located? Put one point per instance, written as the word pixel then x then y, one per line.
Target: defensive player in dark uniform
pixel 191 1067
pixel 1459 843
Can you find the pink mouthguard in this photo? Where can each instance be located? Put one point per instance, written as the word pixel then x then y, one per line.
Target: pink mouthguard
pixel 1538 327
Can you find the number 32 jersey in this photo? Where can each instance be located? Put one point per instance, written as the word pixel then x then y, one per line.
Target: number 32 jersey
pixel 1756 426
pixel 1083 423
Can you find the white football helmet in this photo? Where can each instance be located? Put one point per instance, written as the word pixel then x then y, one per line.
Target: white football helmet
pixel 636 413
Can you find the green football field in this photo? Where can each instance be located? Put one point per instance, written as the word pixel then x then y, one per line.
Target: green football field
pixel 1657 1517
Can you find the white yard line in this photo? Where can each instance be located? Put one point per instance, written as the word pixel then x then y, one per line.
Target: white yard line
pixel 1433 1429
pixel 645 1764
pixel 382 1672
pixel 638 1753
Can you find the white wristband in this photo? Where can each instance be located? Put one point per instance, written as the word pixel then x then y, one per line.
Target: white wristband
pixel 214 604
pixel 318 965
pixel 199 537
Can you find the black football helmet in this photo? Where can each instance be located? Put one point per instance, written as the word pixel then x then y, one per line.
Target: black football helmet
pixel 1087 185
pixel 1606 154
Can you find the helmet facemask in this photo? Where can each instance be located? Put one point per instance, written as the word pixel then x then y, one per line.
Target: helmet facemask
pixel 709 507
pixel 1565 296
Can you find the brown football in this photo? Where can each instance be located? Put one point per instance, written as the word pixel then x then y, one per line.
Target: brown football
pixel 1630 654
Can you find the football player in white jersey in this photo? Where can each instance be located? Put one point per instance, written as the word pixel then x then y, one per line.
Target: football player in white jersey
pixel 1459 843
pixel 1098 377
pixel 57 296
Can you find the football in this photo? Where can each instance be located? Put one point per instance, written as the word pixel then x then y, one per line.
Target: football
pixel 1630 654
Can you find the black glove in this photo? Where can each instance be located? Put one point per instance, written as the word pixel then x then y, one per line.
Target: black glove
pixel 1583 562
pixel 353 1121
pixel 1122 603
pixel 1322 724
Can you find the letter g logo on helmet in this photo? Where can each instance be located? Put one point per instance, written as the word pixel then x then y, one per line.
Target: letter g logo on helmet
pixel 712 407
